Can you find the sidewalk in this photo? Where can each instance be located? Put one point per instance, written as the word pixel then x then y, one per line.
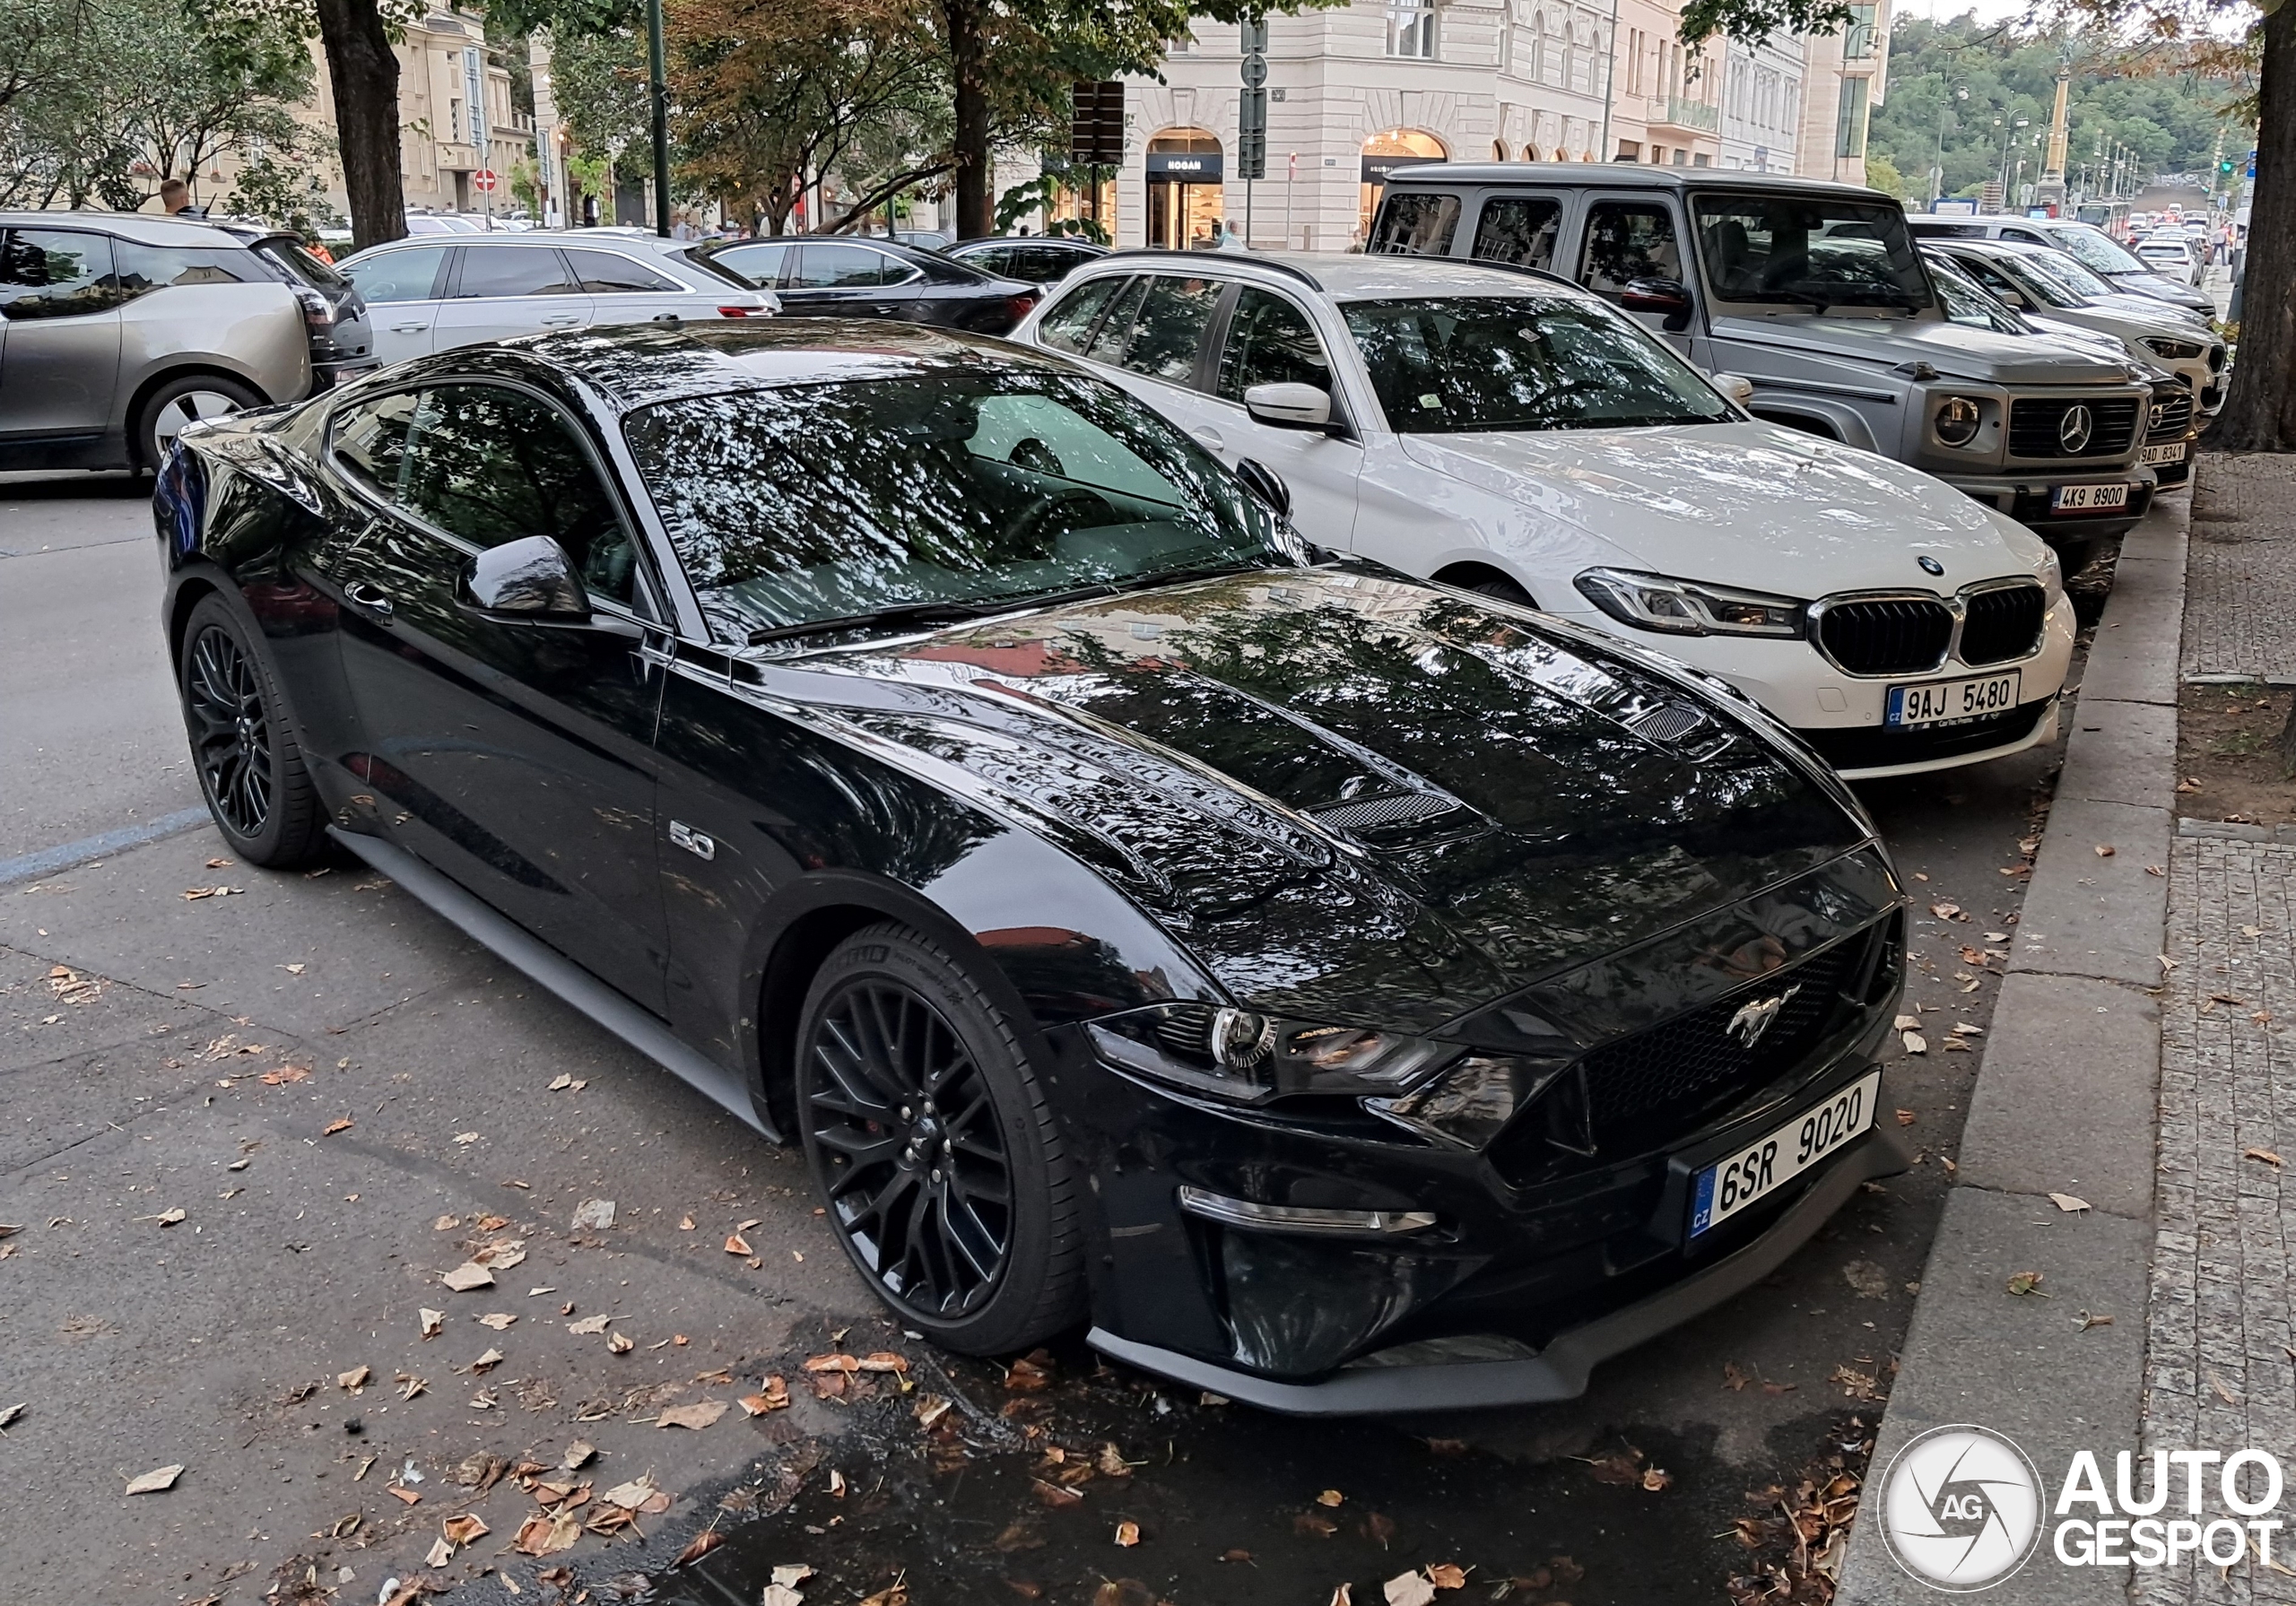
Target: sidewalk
pixel 2143 1061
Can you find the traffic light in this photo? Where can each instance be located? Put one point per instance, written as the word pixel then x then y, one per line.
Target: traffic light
pixel 2225 166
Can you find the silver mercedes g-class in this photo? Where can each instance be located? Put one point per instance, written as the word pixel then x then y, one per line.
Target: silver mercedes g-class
pixel 1812 293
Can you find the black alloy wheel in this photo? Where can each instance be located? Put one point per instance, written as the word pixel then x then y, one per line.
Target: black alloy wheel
pixel 250 765
pixel 935 1152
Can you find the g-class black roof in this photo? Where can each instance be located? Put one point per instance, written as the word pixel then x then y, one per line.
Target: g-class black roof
pixel 1617 175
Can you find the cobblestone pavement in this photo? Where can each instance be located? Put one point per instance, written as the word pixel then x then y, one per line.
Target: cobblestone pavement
pixel 2242 570
pixel 2218 1370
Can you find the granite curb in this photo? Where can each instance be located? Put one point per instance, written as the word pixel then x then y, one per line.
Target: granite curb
pixel 2067 1102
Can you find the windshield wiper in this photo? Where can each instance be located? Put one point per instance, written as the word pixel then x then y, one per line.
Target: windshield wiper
pixel 917 613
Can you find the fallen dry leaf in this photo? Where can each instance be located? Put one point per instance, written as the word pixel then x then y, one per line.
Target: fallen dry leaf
pixel 498 1319
pixel 1905 1117
pixel 633 1495
pixel 1127 1534
pixel 356 1377
pixel 2068 1203
pixel 156 1480
pixel 194 894
pixel 1914 1043
pixel 487 1362
pixel 1947 911
pixel 1733 1378
pixel 2025 1282
pixel 697 1416
pixel 1331 1497
pixel 467 1276
pixel 773 1396
pixel 2222 1392
pixel 1447 1574
pixel 546 1534
pixel 442 1552
pixel 588 1324
pixel 736 1244
pixel 168 1217
pixel 930 1409
pixel 1655 1478
pixel 1408 1589
pixel 594 1215
pixel 619 1344
pixel 465 1528
pixel 2266 1155
pixel 340 1124
pixel 407 1495
pixel 1054 1495
pixel 700 1546
pixel 2105 850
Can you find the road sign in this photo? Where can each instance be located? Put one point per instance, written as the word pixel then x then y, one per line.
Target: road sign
pixel 482 181
pixel 1251 135
pixel 1096 124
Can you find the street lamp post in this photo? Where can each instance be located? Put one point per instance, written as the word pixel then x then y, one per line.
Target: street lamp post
pixel 658 92
pixel 1937 167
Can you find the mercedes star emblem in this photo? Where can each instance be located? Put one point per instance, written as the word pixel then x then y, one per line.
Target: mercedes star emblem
pixel 2073 430
pixel 1930 566
pixel 1755 1019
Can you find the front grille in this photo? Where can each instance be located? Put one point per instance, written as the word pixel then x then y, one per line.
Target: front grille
pixel 2035 425
pixel 1694 1063
pixel 1997 625
pixel 1877 747
pixel 2170 417
pixel 1885 635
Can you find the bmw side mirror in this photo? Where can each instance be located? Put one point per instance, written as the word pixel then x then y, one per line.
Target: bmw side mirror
pixel 530 578
pixel 1290 405
pixel 1267 486
pixel 1669 297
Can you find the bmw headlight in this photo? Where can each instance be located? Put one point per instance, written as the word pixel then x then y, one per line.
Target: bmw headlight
pixel 2052 575
pixel 2175 351
pixel 1250 1058
pixel 1689 607
pixel 1956 421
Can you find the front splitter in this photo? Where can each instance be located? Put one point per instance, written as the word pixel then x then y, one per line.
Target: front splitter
pixel 1560 1371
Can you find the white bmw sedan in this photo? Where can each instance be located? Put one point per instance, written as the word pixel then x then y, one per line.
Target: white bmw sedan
pixel 1506 432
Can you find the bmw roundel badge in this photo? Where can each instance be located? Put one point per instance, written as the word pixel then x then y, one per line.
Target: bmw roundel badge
pixel 1929 565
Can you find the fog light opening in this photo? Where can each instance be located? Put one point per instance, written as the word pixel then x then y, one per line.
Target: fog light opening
pixel 1301 1219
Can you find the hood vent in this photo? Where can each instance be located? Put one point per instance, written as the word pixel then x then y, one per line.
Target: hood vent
pixel 1395 815
pixel 1669 724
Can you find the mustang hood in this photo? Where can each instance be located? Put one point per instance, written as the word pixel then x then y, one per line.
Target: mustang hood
pixel 1349 795
pixel 1957 350
pixel 1739 504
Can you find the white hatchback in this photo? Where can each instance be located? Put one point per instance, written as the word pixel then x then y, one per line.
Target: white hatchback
pixel 432 293
pixel 1506 432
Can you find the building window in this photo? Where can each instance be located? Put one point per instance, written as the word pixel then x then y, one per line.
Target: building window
pixel 1411 29
pixel 1857 40
pixel 1849 127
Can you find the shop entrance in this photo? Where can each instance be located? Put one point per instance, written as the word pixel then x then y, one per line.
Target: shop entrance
pixel 1383 153
pixel 1185 171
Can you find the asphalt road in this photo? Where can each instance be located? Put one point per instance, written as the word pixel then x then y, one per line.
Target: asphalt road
pixel 344 1101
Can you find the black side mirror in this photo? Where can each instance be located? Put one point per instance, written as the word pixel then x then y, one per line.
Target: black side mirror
pixel 1267 486
pixel 1670 297
pixel 529 578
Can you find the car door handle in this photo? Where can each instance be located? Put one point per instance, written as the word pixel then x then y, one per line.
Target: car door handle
pixel 1209 437
pixel 408 328
pixel 561 320
pixel 372 597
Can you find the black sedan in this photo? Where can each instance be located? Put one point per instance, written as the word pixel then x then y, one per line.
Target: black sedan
pixel 1346 994
pixel 838 276
pixel 1044 259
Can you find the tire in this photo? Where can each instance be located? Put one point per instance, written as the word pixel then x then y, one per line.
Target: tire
pixel 179 401
pixel 243 745
pixel 914 1197
pixel 1504 590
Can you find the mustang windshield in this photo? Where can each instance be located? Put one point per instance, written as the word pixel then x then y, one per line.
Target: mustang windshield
pixel 932 495
pixel 1453 365
pixel 1811 251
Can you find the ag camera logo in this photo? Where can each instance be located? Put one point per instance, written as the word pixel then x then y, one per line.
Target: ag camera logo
pixel 1961 1508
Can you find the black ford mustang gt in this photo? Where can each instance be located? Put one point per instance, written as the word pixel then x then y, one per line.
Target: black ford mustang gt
pixel 1347 993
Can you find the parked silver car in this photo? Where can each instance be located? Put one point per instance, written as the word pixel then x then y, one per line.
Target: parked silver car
pixel 432 294
pixel 2085 243
pixel 117 330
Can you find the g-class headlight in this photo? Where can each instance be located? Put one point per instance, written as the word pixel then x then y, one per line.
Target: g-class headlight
pixel 1956 421
pixel 1689 607
pixel 2175 351
pixel 1249 1056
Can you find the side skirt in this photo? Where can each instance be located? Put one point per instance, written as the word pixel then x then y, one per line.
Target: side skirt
pixel 561 976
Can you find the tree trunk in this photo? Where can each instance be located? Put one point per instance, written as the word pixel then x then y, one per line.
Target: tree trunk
pixel 2260 415
pixel 364 71
pixel 975 207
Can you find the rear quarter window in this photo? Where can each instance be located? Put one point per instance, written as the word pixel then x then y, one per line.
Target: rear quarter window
pixel 1415 225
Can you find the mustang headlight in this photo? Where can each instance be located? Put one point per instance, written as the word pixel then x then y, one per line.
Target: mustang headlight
pixel 1249 1056
pixel 1689 607
pixel 1956 421
pixel 2176 351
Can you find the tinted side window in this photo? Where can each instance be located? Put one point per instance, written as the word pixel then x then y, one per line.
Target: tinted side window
pixel 370 439
pixel 1625 241
pixel 1168 331
pixel 56 272
pixel 844 267
pixel 1270 343
pixel 512 271
pixel 491 466
pixel 1069 320
pixel 1418 225
pixel 1044 263
pixel 145 268
pixel 604 273
pixel 1518 231
pixel 759 263
pixel 408 275
pixel 996 259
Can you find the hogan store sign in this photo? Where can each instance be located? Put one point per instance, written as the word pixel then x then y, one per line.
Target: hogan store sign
pixel 1963 1509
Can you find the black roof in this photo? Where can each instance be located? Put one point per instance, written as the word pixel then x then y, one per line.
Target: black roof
pixel 1619 175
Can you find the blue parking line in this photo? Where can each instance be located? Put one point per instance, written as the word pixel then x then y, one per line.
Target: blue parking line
pixel 47 860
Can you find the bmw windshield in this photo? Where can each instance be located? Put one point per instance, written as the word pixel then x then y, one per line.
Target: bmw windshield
pixel 1459 364
pixel 1816 251
pixel 808 507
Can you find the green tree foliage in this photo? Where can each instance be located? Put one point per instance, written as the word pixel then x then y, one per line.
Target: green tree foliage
pixel 2170 120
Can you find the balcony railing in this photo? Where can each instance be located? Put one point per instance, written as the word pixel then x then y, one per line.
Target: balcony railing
pixel 1676 111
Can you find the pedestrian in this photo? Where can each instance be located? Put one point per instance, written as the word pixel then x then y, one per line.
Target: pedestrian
pixel 175 200
pixel 1225 237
